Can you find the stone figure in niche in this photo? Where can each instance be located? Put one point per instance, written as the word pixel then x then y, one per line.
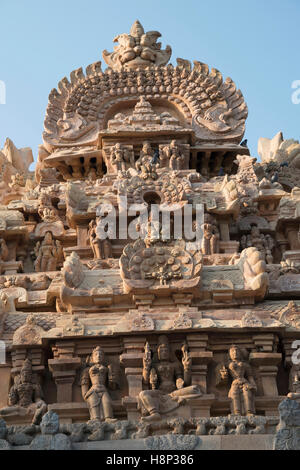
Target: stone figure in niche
pixel 145 163
pixel 169 382
pixel 243 387
pixel 120 157
pixel 176 157
pixel 25 396
pixel 46 254
pixel 211 236
pixel 102 248
pixel 95 242
pixel 96 380
pixel 264 243
pixel 4 253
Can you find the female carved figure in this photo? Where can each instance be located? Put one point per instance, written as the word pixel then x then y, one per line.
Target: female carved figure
pixel 94 240
pixel 46 254
pixel 243 386
pixel 169 382
pixel 95 381
pixel 102 248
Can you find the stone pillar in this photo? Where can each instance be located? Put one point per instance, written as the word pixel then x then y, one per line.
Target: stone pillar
pixel 132 360
pixel 82 235
pixel 291 232
pixel 197 344
pixel 4 384
pixel 63 368
pixel 64 373
pixel 267 364
pixel 266 361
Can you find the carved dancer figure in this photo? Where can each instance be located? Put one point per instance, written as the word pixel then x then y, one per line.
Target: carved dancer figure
pixel 25 396
pixel 46 254
pixel 243 387
pixel 95 381
pixel 211 236
pixel 169 382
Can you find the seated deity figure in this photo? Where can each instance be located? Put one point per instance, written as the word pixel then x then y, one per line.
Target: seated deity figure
pixel 177 158
pixel 169 382
pixel 25 396
pixel 95 382
pixel 243 387
pixel 46 254
pixel 264 243
pixel 211 236
pixel 145 163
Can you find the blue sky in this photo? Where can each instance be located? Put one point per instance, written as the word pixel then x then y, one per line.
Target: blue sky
pixel 255 42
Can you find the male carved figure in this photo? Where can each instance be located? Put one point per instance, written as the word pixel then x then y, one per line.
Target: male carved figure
pixel 211 236
pixel 95 381
pixel 243 386
pixel 119 157
pixel 145 163
pixel 25 396
pixel 46 253
pixel 169 382
pixel 177 158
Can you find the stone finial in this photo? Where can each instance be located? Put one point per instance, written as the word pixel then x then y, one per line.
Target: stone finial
pixel 137 50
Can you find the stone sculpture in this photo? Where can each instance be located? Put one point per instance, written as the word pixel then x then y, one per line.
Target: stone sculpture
pixel 243 387
pixel 95 382
pixel 169 382
pixel 25 396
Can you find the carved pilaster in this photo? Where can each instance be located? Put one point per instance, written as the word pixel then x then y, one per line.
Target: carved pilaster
pixel 132 360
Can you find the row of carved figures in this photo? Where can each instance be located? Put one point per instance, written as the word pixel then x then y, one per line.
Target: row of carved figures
pixel 167 385
pixel 170 156
pixel 48 253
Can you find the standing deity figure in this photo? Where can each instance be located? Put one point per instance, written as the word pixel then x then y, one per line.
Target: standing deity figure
pixel 264 243
pixel 102 248
pixel 146 164
pixel 46 254
pixel 120 157
pixel 25 396
pixel 4 253
pixel 243 387
pixel 95 242
pixel 95 382
pixel 211 236
pixel 169 382
pixel 177 159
